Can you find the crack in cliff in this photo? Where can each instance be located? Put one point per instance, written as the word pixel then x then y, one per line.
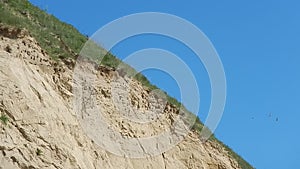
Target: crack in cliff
pixel 37 93
pixel 164 160
pixel 23 132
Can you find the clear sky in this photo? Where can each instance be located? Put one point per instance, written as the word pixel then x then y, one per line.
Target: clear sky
pixel 258 43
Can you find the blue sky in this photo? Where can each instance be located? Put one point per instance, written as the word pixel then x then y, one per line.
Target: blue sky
pixel 258 43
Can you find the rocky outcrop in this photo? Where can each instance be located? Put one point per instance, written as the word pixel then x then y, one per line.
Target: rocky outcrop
pixel 43 130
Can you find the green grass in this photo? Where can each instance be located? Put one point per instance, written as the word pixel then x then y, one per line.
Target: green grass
pixel 61 40
pixel 39 152
pixel 4 119
pixel 242 163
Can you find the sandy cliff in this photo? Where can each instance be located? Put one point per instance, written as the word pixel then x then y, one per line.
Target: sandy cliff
pixel 43 131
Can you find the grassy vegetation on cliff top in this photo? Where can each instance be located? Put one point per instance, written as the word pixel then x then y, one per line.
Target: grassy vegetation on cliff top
pixel 61 40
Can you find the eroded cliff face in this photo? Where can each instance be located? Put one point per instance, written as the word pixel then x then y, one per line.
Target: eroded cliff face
pixel 43 130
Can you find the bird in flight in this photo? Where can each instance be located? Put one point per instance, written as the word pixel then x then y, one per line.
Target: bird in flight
pixel 270 114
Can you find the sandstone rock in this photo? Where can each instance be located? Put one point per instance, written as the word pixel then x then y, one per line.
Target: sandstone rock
pixel 44 131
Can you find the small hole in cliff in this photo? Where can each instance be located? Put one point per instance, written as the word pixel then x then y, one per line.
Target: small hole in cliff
pixel 8 49
pixel 13 159
pixel 3 153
